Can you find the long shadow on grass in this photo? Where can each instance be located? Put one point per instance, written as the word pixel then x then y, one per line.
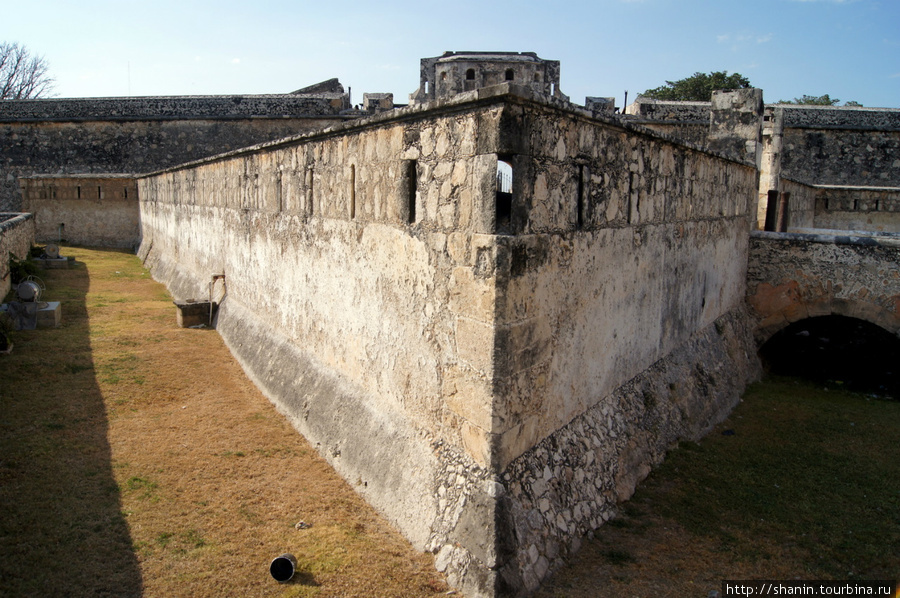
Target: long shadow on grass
pixel 62 530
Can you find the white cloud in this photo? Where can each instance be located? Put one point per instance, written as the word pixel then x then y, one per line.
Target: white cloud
pixel 762 39
pixel 235 61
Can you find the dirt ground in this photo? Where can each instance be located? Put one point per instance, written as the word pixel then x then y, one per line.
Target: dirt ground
pixel 136 459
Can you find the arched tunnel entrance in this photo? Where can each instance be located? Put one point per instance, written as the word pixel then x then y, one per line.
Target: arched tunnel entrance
pixel 847 351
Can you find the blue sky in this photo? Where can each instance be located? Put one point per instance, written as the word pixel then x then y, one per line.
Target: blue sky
pixel 849 49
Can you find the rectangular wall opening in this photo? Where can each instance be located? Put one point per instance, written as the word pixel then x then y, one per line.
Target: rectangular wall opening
pixel 352 191
pixel 580 199
pixel 504 194
pixel 409 186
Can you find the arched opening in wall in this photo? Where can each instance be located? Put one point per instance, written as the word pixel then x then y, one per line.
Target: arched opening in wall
pixel 837 350
pixel 469 83
pixel 504 193
pixel 510 75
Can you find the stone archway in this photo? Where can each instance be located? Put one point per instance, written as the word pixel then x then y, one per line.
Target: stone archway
pixel 836 350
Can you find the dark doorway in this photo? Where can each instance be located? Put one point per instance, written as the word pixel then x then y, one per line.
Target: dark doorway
pixel 837 350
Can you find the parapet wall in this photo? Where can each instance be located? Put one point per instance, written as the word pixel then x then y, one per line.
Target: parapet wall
pixel 817 145
pixel 434 337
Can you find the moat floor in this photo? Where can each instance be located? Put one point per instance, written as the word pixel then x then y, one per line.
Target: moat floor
pixel 136 459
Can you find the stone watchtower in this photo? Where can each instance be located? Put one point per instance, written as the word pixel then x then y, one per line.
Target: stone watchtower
pixel 457 72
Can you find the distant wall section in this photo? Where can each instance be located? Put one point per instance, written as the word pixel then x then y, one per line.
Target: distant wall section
pixel 115 135
pixel 86 210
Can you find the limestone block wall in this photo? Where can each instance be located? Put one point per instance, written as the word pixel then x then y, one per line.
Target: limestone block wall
pixel 858 208
pixel 792 277
pixel 16 238
pixel 493 371
pixel 620 320
pixel 841 146
pixel 136 135
pixel 85 210
pixel 355 263
pixel 801 204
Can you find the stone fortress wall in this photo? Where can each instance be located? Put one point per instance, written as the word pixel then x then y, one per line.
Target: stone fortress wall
pixel 494 369
pixel 849 157
pixel 134 135
pixel 435 341
pixel 16 237
pixel 99 210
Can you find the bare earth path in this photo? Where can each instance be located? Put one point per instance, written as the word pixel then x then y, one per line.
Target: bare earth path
pixel 136 459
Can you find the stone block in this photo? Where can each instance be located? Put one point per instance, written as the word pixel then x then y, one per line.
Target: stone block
pixel 49 315
pixel 192 313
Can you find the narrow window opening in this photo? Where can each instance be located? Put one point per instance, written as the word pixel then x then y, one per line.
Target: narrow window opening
pixel 510 75
pixel 426 88
pixel 78 192
pixel 99 192
pixel 771 210
pixel 504 194
pixel 126 192
pixel 580 198
pixel 309 191
pixel 855 204
pixel 633 209
pixel 352 191
pixel 410 188
pixel 278 193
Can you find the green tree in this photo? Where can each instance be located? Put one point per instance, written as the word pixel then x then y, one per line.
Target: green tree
pixel 22 75
pixel 698 87
pixel 824 100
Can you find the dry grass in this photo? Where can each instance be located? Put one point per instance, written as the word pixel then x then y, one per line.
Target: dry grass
pixel 137 460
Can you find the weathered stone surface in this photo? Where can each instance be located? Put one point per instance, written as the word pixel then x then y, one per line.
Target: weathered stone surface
pixel 87 210
pixel 135 135
pixel 796 276
pixel 16 238
pixel 466 337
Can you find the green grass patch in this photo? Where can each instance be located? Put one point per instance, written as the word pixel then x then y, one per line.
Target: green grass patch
pixel 818 471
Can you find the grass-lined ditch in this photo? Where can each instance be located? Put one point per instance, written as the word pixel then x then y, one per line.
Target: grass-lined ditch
pixel 800 482
pixel 137 460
